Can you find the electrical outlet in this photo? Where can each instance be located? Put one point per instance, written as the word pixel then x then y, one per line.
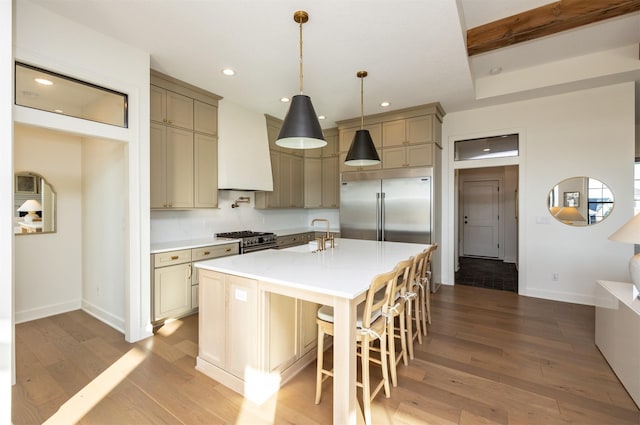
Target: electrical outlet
pixel 556 277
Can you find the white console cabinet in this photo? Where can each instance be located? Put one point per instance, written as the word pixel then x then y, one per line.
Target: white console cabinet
pixel 618 332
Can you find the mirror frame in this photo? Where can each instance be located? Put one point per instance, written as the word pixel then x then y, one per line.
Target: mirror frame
pixel 28 187
pixel 568 201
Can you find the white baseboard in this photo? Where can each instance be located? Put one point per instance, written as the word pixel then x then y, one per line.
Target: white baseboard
pixel 567 297
pixel 46 311
pixel 104 316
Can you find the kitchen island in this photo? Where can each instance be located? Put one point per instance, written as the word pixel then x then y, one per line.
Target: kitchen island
pixel 257 314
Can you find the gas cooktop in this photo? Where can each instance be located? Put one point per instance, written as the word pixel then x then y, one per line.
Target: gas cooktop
pixel 242 234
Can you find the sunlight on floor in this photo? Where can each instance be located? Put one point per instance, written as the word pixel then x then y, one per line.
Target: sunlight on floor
pixel 84 400
pixel 261 389
pixel 169 327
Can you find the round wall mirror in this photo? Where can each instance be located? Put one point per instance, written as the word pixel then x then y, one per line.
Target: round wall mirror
pixel 34 202
pixel 580 201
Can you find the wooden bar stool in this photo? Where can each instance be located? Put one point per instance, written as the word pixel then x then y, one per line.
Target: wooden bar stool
pixel 397 309
pixel 371 326
pixel 425 289
pixel 412 296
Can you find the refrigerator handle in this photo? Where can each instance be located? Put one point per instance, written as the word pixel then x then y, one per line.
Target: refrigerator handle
pixel 382 218
pixel 378 216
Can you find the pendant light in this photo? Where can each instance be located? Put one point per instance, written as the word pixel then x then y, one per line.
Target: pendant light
pixel 362 151
pixel 301 128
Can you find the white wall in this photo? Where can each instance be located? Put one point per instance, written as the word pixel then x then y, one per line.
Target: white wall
pixel 104 184
pixel 589 132
pixel 48 273
pixel 7 353
pixel 47 40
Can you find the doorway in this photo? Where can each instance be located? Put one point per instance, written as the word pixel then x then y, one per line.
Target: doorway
pixel 487 227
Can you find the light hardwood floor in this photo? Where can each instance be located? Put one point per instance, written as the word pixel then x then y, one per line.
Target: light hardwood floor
pixel 491 357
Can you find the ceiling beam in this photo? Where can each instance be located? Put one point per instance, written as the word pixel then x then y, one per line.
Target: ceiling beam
pixel 545 20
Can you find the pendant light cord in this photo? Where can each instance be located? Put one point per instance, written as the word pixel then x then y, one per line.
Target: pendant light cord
pixel 301 92
pixel 361 103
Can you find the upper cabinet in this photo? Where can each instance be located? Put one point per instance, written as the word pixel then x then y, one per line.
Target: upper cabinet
pixel 404 138
pixel 184 145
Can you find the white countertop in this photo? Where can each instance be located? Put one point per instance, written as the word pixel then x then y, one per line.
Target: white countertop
pixel 342 271
pixel 624 292
pixel 188 244
pixel 319 228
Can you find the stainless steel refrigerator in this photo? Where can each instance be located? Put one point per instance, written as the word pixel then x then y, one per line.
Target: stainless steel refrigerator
pixel 386 205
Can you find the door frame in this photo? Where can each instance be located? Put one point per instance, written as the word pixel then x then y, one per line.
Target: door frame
pixel 452 249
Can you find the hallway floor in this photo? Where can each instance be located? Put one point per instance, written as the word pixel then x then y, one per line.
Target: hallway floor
pixel 487 273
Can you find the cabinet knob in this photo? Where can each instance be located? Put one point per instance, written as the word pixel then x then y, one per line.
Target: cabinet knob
pixel 206 253
pixel 227 250
pixel 174 257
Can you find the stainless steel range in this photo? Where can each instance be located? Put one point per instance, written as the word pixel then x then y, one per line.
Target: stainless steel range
pixel 251 241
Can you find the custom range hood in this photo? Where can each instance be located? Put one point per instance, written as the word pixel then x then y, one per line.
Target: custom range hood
pixel 244 162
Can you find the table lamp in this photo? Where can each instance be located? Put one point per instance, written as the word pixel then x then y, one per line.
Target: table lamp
pixel 569 215
pixel 30 206
pixel 630 233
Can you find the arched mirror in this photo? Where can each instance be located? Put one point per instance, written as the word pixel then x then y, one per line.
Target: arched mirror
pixel 34 202
pixel 580 201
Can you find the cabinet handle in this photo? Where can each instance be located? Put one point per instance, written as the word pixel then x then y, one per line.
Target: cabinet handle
pixel 164 120
pixel 170 122
pixel 227 250
pixel 174 257
pixel 206 253
pixel 189 271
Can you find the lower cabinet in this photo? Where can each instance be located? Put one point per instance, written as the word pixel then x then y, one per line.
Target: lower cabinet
pixel 174 283
pixel 234 312
pixel 230 316
pixel 291 330
pixel 287 241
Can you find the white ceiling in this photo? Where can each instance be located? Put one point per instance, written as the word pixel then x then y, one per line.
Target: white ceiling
pixel 413 50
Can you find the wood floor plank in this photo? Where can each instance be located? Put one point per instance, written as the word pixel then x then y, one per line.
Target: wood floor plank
pixel 491 357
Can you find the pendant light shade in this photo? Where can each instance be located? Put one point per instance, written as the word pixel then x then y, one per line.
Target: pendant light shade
pixel 362 151
pixel 301 128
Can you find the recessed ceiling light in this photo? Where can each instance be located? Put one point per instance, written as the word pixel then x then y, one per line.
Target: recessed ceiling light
pixel 322 117
pixel 385 104
pixel 44 81
pixel 495 70
pixel 284 99
pixel 228 72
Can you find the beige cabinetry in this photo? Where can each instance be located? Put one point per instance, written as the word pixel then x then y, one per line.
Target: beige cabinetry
pixel 174 283
pixel 184 146
pixel 321 175
pixel 287 167
pixel 295 239
pixel 234 317
pixel 291 330
pixel 230 315
pixel 404 138
pixel 171 284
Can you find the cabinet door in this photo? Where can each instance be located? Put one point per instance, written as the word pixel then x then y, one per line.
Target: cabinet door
pixel 394 157
pixel 313 182
pixel 330 183
pixel 297 182
pixel 346 136
pixel 212 317
pixel 420 155
pixel 157 103
pixel 158 158
pixel 205 118
pixel 205 171
pixel 172 291
pixel 242 325
pixel 179 110
pixel 420 129
pixel 347 168
pixel 179 168
pixel 331 149
pixel 281 340
pixel 308 326
pixel 393 133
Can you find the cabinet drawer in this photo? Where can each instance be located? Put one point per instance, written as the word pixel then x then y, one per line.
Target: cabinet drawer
pixel 172 257
pixel 214 251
